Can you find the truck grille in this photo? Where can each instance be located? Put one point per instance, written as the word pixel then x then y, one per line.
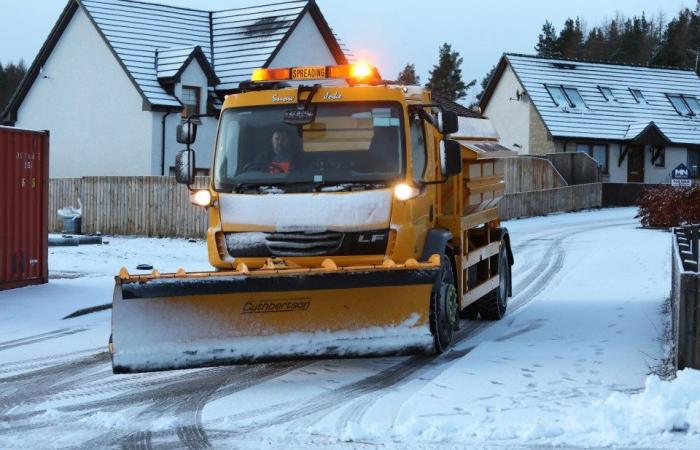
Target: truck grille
pixel 301 243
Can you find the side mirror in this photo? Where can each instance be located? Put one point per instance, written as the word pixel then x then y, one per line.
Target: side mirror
pixel 450 158
pixel 187 133
pixel 447 122
pixel 184 167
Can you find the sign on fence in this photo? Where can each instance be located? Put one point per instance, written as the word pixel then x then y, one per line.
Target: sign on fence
pixel 680 176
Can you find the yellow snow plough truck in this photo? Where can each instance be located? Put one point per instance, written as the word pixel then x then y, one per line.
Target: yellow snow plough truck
pixel 351 220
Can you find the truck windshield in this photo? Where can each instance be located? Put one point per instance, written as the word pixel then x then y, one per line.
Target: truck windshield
pixel 348 143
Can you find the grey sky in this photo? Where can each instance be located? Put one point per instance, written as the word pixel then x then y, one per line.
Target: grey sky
pixel 387 33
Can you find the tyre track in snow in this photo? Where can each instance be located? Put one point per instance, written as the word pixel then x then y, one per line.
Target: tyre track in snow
pixel 373 386
pixel 532 285
pixel 184 401
pixel 40 338
pixel 20 389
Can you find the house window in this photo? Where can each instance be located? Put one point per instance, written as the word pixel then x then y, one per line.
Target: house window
pixel 565 96
pixel 574 97
pixel 694 162
pixel 685 105
pixel 607 93
pixel 190 99
pixel 658 156
pixel 599 152
pixel 558 95
pixel 638 96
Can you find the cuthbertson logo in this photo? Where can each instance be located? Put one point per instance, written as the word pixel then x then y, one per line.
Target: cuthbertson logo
pixel 276 99
pixel 275 306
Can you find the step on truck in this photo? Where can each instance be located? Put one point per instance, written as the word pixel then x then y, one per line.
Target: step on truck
pixel 351 220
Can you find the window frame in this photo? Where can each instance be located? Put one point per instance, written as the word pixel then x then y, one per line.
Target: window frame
pixel 639 98
pixel 548 88
pixel 660 161
pixel 605 168
pixel 605 96
pixel 683 99
pixel 563 88
pixel 198 104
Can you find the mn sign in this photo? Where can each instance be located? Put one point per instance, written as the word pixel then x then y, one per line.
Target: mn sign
pixel 680 176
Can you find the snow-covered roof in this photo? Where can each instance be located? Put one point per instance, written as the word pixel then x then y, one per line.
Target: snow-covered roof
pixel 154 42
pixel 621 118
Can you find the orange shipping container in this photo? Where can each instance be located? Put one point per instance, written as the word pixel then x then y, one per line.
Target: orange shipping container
pixel 24 196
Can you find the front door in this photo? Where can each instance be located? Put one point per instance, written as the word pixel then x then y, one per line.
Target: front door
pixel 635 164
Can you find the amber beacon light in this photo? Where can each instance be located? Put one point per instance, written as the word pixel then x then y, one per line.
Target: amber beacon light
pixel 360 72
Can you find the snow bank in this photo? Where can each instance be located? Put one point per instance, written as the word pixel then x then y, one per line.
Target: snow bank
pixel 663 406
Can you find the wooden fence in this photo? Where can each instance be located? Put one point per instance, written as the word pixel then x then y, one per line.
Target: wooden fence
pixel 530 173
pixel 157 206
pixel 142 206
pixel 546 201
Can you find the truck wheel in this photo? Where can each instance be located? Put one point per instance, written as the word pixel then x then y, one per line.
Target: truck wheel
pixel 493 306
pixel 443 308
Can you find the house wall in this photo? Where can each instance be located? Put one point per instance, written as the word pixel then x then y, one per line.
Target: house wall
pixel 510 116
pixel 93 111
pixel 618 174
pixel 305 46
pixel 193 75
pixel 662 175
pixel 540 142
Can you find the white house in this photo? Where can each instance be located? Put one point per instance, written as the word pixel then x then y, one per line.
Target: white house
pixel 115 77
pixel 638 122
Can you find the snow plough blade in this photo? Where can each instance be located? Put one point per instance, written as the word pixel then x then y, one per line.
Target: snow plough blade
pixel 188 320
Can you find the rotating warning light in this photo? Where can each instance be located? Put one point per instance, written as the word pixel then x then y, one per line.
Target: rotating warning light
pixel 359 72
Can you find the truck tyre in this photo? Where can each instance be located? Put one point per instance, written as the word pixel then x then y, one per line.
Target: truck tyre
pixel 493 306
pixel 443 308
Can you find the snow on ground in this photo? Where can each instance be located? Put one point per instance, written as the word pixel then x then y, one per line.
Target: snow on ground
pixel 569 365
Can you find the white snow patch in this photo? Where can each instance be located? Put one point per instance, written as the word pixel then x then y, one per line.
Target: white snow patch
pixel 663 406
pixel 353 211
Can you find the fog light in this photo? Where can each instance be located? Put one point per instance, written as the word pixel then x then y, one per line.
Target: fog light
pixel 201 198
pixel 405 192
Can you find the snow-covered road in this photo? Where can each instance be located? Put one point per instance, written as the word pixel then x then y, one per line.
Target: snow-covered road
pixel 564 367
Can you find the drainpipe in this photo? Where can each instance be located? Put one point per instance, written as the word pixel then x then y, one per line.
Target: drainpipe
pixel 162 143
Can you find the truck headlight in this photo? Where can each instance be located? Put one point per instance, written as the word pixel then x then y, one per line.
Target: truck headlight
pixel 201 198
pixel 405 192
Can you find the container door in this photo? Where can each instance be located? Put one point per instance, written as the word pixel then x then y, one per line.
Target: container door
pixel 22 250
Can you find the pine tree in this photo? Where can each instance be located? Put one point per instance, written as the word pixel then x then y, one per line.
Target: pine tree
pixel 675 49
pixel 408 76
pixel 10 77
pixel 547 43
pixel 570 40
pixel 485 82
pixel 446 76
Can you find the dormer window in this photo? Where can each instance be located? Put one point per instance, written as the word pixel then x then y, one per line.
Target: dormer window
pixel 565 96
pixel 607 93
pixel 638 96
pixel 685 105
pixel 190 100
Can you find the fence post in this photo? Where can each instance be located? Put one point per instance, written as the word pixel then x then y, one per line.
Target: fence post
pixel 694 243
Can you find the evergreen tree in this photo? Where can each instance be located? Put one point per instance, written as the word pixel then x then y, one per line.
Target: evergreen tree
pixel 547 42
pixel 485 82
pixel 677 46
pixel 408 76
pixel 446 76
pixel 570 40
pixel 10 77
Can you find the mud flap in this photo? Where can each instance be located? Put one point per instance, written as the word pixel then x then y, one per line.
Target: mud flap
pixel 195 320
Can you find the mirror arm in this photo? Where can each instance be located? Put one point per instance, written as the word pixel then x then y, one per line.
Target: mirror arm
pixel 194 117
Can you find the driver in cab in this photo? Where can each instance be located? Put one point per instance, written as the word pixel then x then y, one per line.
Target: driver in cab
pixel 282 156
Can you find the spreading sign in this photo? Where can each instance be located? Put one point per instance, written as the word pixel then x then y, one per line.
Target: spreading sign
pixel 680 176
